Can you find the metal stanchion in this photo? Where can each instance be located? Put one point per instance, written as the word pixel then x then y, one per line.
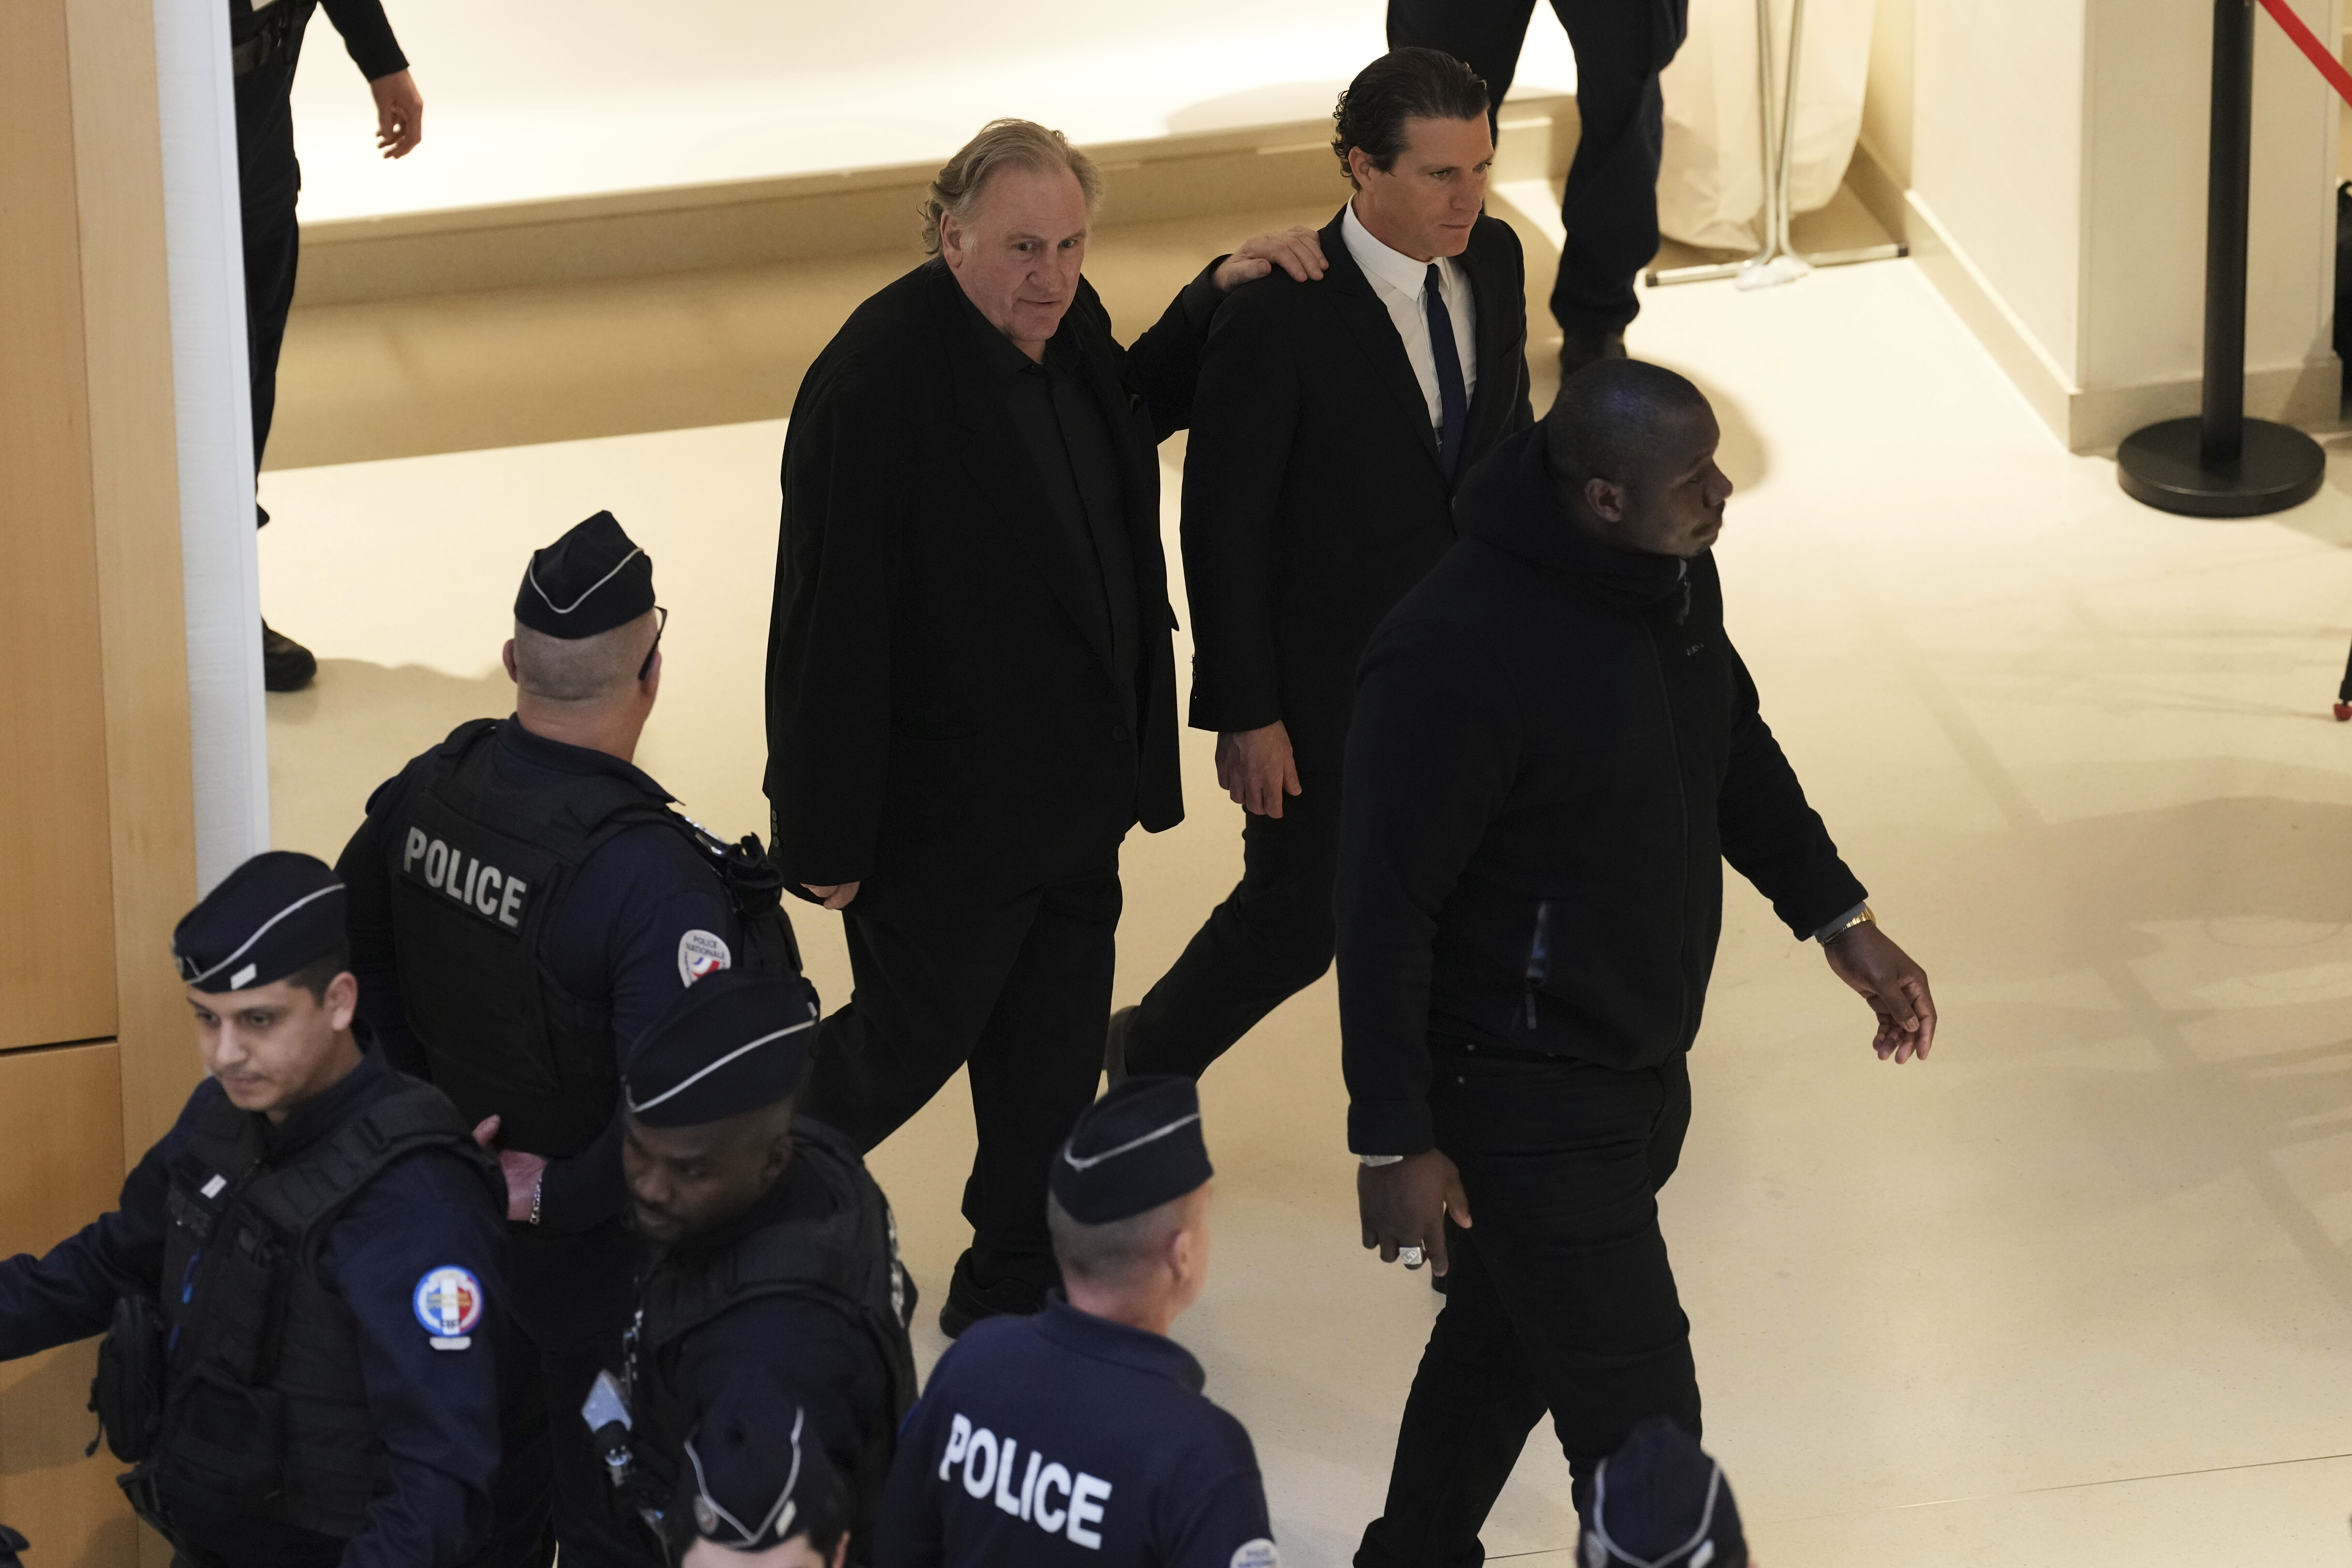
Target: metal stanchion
pixel 1778 260
pixel 2223 464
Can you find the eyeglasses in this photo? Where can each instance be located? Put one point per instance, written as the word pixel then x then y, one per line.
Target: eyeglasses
pixel 659 626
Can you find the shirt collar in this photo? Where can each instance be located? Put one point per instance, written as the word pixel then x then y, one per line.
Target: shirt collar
pixel 1383 265
pixel 1064 1325
pixel 518 742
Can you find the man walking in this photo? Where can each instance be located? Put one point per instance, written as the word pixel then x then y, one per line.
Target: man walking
pixel 971 693
pixel 1333 427
pixel 1555 748
pixel 1610 206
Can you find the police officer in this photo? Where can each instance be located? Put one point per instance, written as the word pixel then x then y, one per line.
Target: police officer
pixel 1080 1436
pixel 777 1251
pixel 301 1285
pixel 1659 1501
pixel 265 46
pixel 524 901
pixel 763 1490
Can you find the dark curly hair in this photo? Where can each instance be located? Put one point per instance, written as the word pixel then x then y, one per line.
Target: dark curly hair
pixel 1404 84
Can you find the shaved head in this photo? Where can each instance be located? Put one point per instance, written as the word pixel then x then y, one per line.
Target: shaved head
pixel 582 669
pixel 1613 419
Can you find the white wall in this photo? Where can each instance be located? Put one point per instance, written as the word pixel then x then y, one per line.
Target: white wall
pixel 2056 168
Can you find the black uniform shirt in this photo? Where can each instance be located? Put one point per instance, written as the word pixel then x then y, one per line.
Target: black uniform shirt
pixel 1067 1438
pixel 265 114
pixel 643 908
pixel 1062 431
pixel 827 1360
pixel 436 1410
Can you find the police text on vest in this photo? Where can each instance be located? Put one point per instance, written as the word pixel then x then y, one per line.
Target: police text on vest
pixel 1047 1496
pixel 469 879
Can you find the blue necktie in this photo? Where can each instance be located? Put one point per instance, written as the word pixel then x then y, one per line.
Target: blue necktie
pixel 1454 405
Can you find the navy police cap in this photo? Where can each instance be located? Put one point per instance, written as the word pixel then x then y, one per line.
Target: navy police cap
pixel 1659 1502
pixel 732 1042
pixel 593 579
pixel 275 914
pixel 1136 1148
pixel 761 1475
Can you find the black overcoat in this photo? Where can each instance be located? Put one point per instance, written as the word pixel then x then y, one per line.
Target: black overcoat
pixel 944 724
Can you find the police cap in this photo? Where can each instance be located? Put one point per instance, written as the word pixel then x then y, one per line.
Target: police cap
pixel 1136 1148
pixel 733 1042
pixel 593 579
pixel 1659 1502
pixel 761 1475
pixel 277 913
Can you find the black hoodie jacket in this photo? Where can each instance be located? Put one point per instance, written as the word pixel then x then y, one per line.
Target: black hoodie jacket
pixel 1555 749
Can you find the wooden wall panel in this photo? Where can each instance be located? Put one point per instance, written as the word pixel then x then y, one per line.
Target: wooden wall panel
pixel 61 1128
pixel 134 486
pixel 56 948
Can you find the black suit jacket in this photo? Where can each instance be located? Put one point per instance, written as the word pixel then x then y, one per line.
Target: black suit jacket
pixel 1313 497
pixel 944 724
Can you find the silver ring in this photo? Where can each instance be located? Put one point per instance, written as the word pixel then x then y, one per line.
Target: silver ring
pixel 1409 1256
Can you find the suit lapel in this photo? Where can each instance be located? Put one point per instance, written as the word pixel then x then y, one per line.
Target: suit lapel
pixel 999 464
pixel 1502 340
pixel 1368 320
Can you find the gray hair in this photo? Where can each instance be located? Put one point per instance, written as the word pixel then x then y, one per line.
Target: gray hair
pixel 1109 1253
pixel 1001 145
pixel 582 669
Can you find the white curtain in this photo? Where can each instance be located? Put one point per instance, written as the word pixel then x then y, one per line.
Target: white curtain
pixel 1711 182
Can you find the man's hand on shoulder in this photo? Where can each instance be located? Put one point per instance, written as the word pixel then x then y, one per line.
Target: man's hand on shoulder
pixel 1403 1205
pixel 1894 985
pixel 399 113
pixel 1297 251
pixel 1257 769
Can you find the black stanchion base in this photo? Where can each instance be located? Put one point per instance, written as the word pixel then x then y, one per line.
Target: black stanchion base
pixel 2163 466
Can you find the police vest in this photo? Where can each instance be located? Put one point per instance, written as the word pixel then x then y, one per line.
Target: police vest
pixel 479 870
pixel 846 1263
pixel 264 1403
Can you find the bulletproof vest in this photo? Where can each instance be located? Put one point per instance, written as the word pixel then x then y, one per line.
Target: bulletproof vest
pixel 264 1403
pixel 846 1263
pixel 480 869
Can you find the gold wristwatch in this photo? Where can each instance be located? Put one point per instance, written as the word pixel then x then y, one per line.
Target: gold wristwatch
pixel 1861 917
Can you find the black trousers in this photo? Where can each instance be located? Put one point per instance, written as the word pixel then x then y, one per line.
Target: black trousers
pixel 1611 207
pixel 573 1296
pixel 1020 992
pixel 273 246
pixel 1560 1297
pixel 1271 938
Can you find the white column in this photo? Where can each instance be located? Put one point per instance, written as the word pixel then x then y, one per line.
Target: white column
pixel 215 419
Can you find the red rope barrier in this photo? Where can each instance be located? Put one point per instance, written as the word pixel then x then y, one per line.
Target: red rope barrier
pixel 2308 42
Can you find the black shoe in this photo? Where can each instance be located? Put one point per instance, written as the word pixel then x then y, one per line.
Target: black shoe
pixel 286 665
pixel 1115 1045
pixel 968 1302
pixel 1577 350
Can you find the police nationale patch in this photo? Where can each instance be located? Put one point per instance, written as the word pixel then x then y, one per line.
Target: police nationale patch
pixel 700 952
pixel 449 1303
pixel 1259 1554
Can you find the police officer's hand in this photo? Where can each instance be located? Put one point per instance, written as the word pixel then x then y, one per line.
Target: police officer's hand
pixel 1405 1205
pixel 1894 985
pixel 523 1172
pixel 836 895
pixel 1256 768
pixel 1297 251
pixel 399 113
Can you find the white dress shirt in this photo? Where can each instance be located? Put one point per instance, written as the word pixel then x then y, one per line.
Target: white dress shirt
pixel 1398 280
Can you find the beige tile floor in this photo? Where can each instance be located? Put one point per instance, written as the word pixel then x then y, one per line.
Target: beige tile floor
pixel 2075 1292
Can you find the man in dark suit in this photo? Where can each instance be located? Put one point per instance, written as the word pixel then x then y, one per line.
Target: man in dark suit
pixel 1333 427
pixel 971 692
pixel 1609 205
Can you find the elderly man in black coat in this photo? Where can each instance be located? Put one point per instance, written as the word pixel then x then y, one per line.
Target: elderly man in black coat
pixel 1555 749
pixel 971 689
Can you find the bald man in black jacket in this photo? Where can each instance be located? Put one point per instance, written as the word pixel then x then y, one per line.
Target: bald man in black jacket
pixel 1555 748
